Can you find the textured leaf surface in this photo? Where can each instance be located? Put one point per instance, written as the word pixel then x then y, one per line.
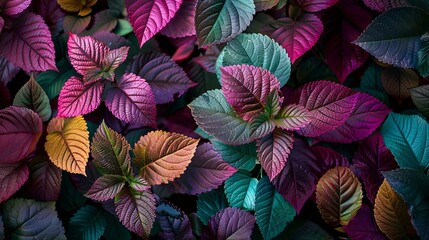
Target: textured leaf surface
pixel 398 81
pixel 423 57
pixel 218 21
pixel 371 83
pixel 174 223
pixel 183 23
pixel 240 157
pixel 7 70
pixel 420 96
pixel 363 226
pixel 20 129
pixel 240 190
pixel 13 7
pixel 230 223
pixel 293 117
pixel 106 187
pixel 383 5
pixel 209 203
pixel 262 5
pixel 12 177
pixel 87 223
pixel 339 196
pixel 163 156
pixel 67 144
pixel 272 211
pixel 75 24
pixel 315 5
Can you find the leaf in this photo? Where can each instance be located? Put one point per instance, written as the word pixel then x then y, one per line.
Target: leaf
pixel 272 211
pixel 26 218
pixel 315 5
pixel 7 70
pixel 67 144
pixel 174 223
pixel 20 130
pixel 384 5
pixel 215 116
pixel 163 156
pixel 304 230
pixel 76 98
pixel 132 101
pixel 329 103
pixel 87 223
pixel 183 23
pixel 136 211
pixel 398 81
pixel 1 228
pixel 419 219
pixel 219 21
pixel 298 36
pixel 394 36
pixel 166 79
pixel 391 213
pixel 106 187
pixel 104 21
pixel 247 87
pixel 82 7
pixel 230 223
pixel 257 50
pixel 363 226
pixel 293 117
pixel 261 125
pixel 240 190
pixel 209 203
pixel 408 144
pixel 115 230
pixel 338 196
pixel 13 7
pixel 75 24
pixel 240 157
pixel 148 17
pixel 371 83
pixel 12 177
pixel 328 158
pixel 32 96
pixel 262 5
pixel 28 44
pixel 423 58
pixel 420 96
pixel 206 171
pixel 70 198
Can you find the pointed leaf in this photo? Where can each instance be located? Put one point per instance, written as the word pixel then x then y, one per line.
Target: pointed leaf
pixel 420 96
pixel 114 58
pixel 240 190
pixel 82 7
pixel 209 203
pixel 363 226
pixel 398 81
pixel 174 223
pixel 106 187
pixel 240 157
pixel 75 24
pixel 67 144
pixel 315 5
pixel 261 125
pixel 87 223
pixel 12 177
pixel 293 117
pixel 13 7
pixel 182 24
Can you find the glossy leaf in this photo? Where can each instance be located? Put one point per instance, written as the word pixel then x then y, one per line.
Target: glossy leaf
pixel 420 96
pixel 261 125
pixel 293 117
pixel 398 81
pixel 12 177
pixel 209 203
pixel 183 23
pixel 240 190
pixel 87 223
pixel 174 223
pixel 67 144
pixel 106 187
pixel 240 157
pixel 363 226
pixel 316 5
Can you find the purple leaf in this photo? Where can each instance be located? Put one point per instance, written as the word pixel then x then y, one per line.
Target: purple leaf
pixel 28 44
pixel 7 70
pixel 246 88
pixel 12 177
pixel 293 117
pixel 1 24
pixel 104 21
pixel 20 129
pixel 329 158
pixel 329 103
pixel 13 7
pixel 106 187
pixel 50 11
pixel 273 151
pixel 182 24
pixel 207 62
pixel 363 226
pixel 174 222
pixel 368 114
pixel 315 5
pixel 185 47
pixel 114 58
pixel 79 99
pixel 371 158
pixel 298 36
pixel 166 79
pixel 148 17
pixel 206 171
pixel 132 101
pixel 230 223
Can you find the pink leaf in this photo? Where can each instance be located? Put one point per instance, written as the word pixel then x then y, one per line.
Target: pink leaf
pixel 13 7
pixel 79 99
pixel 12 177
pixel 329 103
pixel 20 129
pixel 363 226
pixel 106 187
pixel 298 36
pixel 315 5
pixel 368 114
pixel 273 151
pixel 132 101
pixel 246 88
pixel 115 57
pixel 28 44
pixel 7 70
pixel 148 17
pixel 182 24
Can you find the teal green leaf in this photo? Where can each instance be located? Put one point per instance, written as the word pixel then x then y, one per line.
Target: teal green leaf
pixel 218 21
pixel 87 224
pixel 420 219
pixel 257 50
pixel 304 230
pixel 115 229
pixel 70 198
pixel 53 81
pixel 240 157
pixel 240 190
pixel 371 83
pixel 261 125
pixel 312 69
pixel 272 211
pixel 123 27
pixel 407 137
pixel 423 57
pixel 209 203
pixel 29 219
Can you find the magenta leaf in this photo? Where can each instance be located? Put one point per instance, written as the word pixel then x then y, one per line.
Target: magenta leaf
pixel 166 79
pixel 7 70
pixel 246 88
pixel 363 226
pixel 132 101
pixel 230 223
pixel 174 222
pixel 148 17
pixel 329 103
pixel 106 187
pixel 78 99
pixel 384 5
pixel 182 24
pixel 293 117
pixel 315 5
pixel 185 48
pixel 206 171
pixel 114 58
pixel 28 44
pixel 329 158
pixel 12 177
pixel 298 36
pixel 20 129
pixel 13 7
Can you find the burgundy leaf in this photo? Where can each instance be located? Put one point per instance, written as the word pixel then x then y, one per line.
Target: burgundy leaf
pixel 28 44
pixel 12 177
pixel 363 226
pixel 148 17
pixel 315 5
pixel 328 158
pixel 106 187
pixel 13 7
pixel 105 21
pixel 182 24
pixel 20 129
pixel 206 171
pixel 371 158
pixel 79 99
pixel 185 49
pixel 298 36
pixel 50 11
pixel 132 101
pixel 7 70
pixel 384 5
pixel 5 100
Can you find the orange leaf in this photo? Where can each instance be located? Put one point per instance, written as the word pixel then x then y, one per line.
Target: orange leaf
pixel 163 156
pixel 67 144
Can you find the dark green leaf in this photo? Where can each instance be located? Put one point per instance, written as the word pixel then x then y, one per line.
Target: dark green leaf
pixel 240 157
pixel 240 190
pixel 209 203
pixel 88 223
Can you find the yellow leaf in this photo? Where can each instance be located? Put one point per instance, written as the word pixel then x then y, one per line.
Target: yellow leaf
pixel 81 6
pixel 67 143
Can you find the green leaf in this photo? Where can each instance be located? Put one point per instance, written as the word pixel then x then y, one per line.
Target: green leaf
pixel 394 36
pixel 53 81
pixel 70 198
pixel 261 125
pixel 371 83
pixel 123 27
pixel 88 223
pixel 304 230
pixel 420 96
pixel 240 157
pixel 407 137
pixel 420 218
pixel 209 203
pixel 273 103
pixel 272 211
pixel 115 229
pixel 257 50
pixel 218 21
pixel 240 190
pixel 29 219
